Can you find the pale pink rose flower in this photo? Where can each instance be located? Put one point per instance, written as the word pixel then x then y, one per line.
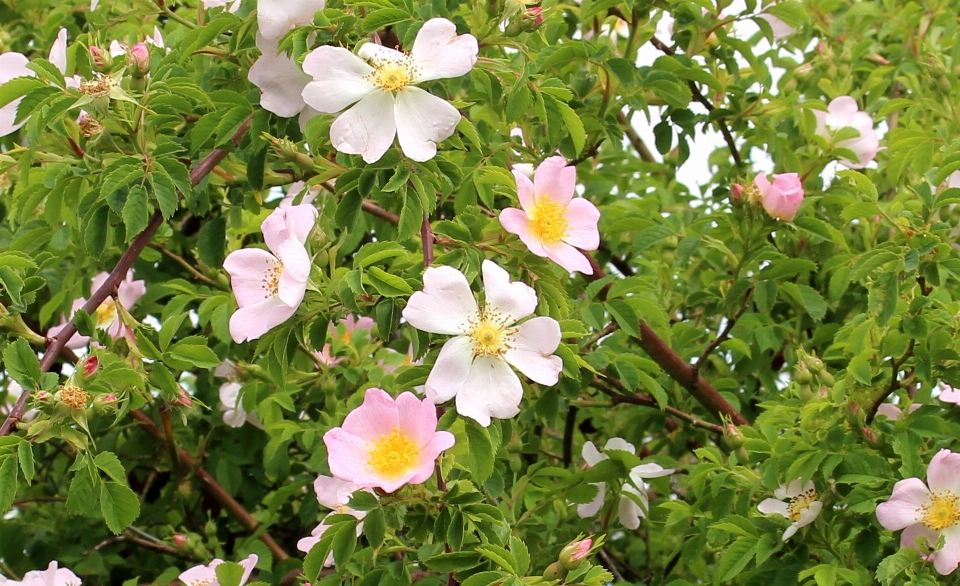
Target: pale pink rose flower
pixel 799 503
pixel 949 394
pixel 234 414
pixel 157 39
pixel 269 285
pixel 386 443
pixel 928 512
pixel 326 357
pixel 350 324
pixel 780 28
pixel 280 79
pixel 380 81
pixel 207 575
pixel 52 576
pixel 276 17
pixel 474 366
pixel 553 223
pixel 106 317
pixel 893 412
pixel 234 5
pixel 628 510
pixel 843 112
pixel 334 494
pixel 783 197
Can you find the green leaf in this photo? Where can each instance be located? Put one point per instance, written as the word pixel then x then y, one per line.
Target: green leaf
pixel 626 317
pixel 374 527
pixel 212 242
pixel 735 558
pixel 384 17
pixel 135 213
pixel 387 284
pixel 411 218
pixel 447 563
pixel 111 466
pixel 375 252
pixel 193 350
pixel 21 362
pixel 481 450
pixel 18 87
pixel 81 496
pixel 892 566
pixel 499 556
pixel 119 505
pixel 572 124
pixel 229 574
pixel 345 542
pixel 25 454
pixel 95 230
pixel 789 11
pixel 8 482
pixel 807 297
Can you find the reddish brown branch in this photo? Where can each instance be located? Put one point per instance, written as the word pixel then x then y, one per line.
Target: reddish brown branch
pixel 372 208
pixel 622 395
pixel 426 235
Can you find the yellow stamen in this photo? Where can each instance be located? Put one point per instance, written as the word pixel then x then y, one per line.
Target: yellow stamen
pixel 801 503
pixel 393 455
pixel 550 220
pixel 490 334
pixel 100 86
pixel 941 511
pixel 271 280
pixel 74 397
pixel 106 314
pixel 393 74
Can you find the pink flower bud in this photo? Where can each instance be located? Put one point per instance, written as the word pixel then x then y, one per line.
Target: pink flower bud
pixel 139 58
pixel 573 554
pixel 90 365
pixel 736 190
pixel 180 540
pixel 100 58
pixel 106 399
pixel 42 396
pixel 183 399
pixel 537 14
pixel 783 197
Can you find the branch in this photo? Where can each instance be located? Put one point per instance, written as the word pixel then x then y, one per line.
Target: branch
pixel 183 262
pixel 894 382
pixel 372 208
pixel 213 488
pixel 119 273
pixel 624 396
pixel 720 337
pixel 426 235
pixel 635 139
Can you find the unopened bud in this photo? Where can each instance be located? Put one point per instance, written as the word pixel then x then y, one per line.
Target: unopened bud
pixel 101 59
pixel 815 364
pixel 736 192
pixel 573 555
pixel 89 365
pixel 555 571
pixel 870 437
pixel 732 437
pixel 139 59
pixel 42 396
pixel 183 399
pixel 180 540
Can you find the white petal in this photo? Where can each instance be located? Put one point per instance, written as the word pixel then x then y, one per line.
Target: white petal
pixel 532 349
pixel 630 511
pixel 276 17
pixel 378 53
pixel 423 120
pixel 58 52
pixel 280 80
pixel 774 507
pixel 639 473
pixel 809 514
pixel 618 443
pixel 445 306
pixel 593 507
pixel 514 301
pixel 492 389
pixel 451 370
pixel 439 52
pixel 592 455
pixel 790 532
pixel 339 79
pixel 366 129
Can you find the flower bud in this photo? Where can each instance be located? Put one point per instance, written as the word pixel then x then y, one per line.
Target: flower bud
pixel 101 59
pixel 736 192
pixel 815 364
pixel 42 396
pixel 89 365
pixel 555 571
pixel 732 437
pixel 139 59
pixel 803 375
pixel 183 399
pixel 783 197
pixel 180 540
pixel 574 553
pixel 871 437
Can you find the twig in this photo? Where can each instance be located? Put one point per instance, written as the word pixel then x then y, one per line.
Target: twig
pixel 372 208
pixel 130 536
pixel 622 395
pixel 568 428
pixel 39 499
pixel 695 91
pixel 426 235
pixel 214 489
pixel 720 337
pixel 635 139
pixel 164 411
pixel 611 565
pixel 894 382
pixel 182 262
pixel 58 342
pixel 589 153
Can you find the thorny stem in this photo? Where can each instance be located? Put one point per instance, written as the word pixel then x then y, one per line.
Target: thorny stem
pixel 895 382
pixel 426 235
pixel 721 336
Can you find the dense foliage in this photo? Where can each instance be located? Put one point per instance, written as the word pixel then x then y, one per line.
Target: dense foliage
pixel 723 389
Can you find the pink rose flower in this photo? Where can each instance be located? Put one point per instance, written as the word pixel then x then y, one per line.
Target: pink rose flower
pixel 386 442
pixel 949 395
pixel 843 112
pixel 52 576
pixel 893 413
pixel 929 512
pixel 107 316
pixel 334 494
pixel 783 197
pixel 553 223
pixel 269 285
pixel 207 575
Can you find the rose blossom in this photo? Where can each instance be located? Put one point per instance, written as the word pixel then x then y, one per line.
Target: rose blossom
pixel 269 286
pixel 386 443
pixel 52 576
pixel 843 112
pixel 106 316
pixel 799 504
pixel 893 412
pixel 783 197
pixel 350 324
pixel 207 575
pixel 553 223
pixel 334 494
pixel 234 414
pixel 475 365
pixel 629 511
pixel 949 395
pixel 276 17
pixel 381 83
pixel 928 512
pixel 281 82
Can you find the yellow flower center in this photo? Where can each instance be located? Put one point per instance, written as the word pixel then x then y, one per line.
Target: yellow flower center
pixel 106 314
pixel 74 397
pixel 490 334
pixel 271 280
pixel 393 74
pixel 392 455
pixel 801 503
pixel 941 511
pixel 99 86
pixel 550 220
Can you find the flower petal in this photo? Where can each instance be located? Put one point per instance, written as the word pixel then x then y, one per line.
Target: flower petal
pixel 902 509
pixel 618 443
pixel 348 457
pixel 445 306
pixel 339 79
pixel 130 291
pixel 441 441
pixel 631 512
pixel 253 321
pixel 525 191
pixel 329 490
pixel 652 470
pixel 512 300
pixel 910 535
pixel 582 218
pixel 280 79
pixel 276 17
pixel 592 455
pixel 248 272
pixel 590 509
pixel 809 514
pixel 439 52
pixel 774 507
pixel 423 120
pixel 555 179
pixel 366 129
pixel 417 417
pixel 378 415
pixel 947 559
pixel 944 472
pixel 532 350
pixel 516 222
pixel 296 269
pixel 450 370
pixel 491 390
pixel 58 52
pixel 569 258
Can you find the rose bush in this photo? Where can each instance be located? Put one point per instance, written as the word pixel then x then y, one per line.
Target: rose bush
pixel 351 292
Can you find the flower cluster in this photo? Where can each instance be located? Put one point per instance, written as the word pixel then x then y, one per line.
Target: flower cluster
pixel 108 315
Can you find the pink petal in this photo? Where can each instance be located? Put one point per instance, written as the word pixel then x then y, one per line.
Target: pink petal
pixel 348 458
pixel 367 128
pixel 439 52
pixel 296 270
pixel 582 218
pixel 340 79
pixel 569 258
pixel 492 389
pixel 248 269
pixel 417 417
pixel 841 111
pixel 450 370
pixel 423 120
pixel 901 510
pixel 534 344
pixel 441 440
pixel 910 535
pixel 130 291
pixel 253 321
pixel 555 179
pixel 947 559
pixel 525 191
pixel 944 472
pixel 949 395
pixel 516 222
pixel 377 416
pixel 328 490
pixel 512 300
pixel 97 282
pixel 446 304
pixel 891 411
